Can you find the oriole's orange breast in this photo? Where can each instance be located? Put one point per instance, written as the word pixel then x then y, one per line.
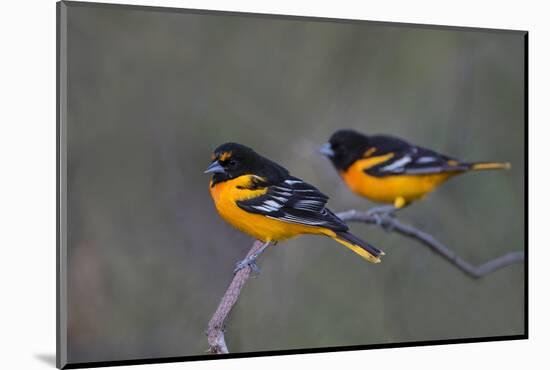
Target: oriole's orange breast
pixel 386 189
pixel 227 193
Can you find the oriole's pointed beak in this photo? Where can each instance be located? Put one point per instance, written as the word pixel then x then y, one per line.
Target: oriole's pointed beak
pixel 326 149
pixel 215 167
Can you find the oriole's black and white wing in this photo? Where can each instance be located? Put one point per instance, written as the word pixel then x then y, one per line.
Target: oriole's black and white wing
pixel 294 201
pixel 409 159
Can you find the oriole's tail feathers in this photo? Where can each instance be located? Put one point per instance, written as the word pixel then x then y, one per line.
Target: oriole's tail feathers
pixel 479 166
pixel 362 248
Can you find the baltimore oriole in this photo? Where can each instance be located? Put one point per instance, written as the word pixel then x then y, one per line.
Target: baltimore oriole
pixel 261 198
pixel 390 170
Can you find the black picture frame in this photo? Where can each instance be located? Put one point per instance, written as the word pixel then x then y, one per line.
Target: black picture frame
pixel 61 194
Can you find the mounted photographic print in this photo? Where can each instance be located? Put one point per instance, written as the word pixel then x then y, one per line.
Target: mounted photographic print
pixel 234 184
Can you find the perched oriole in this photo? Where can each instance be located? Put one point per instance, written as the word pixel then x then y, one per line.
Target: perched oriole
pixel 261 198
pixel 390 170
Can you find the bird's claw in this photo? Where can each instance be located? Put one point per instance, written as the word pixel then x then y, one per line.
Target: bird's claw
pixel 388 226
pixel 247 262
pixel 377 218
pixel 382 217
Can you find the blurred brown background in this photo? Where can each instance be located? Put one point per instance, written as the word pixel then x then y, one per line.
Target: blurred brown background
pixel 152 93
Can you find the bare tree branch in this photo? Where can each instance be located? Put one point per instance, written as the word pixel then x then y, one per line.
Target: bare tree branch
pixel 215 331
pixel 216 340
pixel 392 224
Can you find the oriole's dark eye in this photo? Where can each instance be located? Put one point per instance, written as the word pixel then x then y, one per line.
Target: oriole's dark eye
pixel 232 163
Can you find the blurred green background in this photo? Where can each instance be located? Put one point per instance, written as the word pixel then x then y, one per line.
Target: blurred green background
pixel 151 94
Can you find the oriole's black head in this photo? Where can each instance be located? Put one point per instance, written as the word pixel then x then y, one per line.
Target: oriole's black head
pixel 231 160
pixel 345 147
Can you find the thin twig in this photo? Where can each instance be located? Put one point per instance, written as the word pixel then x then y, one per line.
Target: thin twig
pixel 216 340
pixel 392 224
pixel 215 331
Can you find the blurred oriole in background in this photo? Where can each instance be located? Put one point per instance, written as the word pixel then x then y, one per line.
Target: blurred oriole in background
pixel 260 198
pixel 390 170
